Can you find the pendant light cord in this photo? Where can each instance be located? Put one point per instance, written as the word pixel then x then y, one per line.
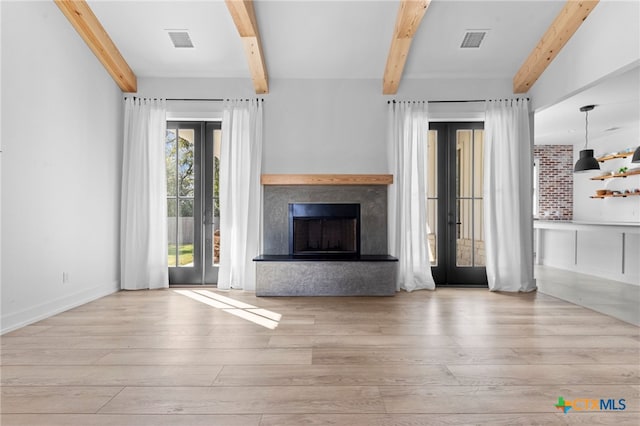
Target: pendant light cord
pixel 586 129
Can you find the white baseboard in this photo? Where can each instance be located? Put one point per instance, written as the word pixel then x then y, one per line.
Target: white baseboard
pixel 39 312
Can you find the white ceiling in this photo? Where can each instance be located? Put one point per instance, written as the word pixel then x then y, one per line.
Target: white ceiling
pixel 138 30
pixel 515 27
pixel 617 101
pixel 350 39
pixel 325 39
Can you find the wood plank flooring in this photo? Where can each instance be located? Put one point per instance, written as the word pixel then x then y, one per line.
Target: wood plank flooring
pixel 449 357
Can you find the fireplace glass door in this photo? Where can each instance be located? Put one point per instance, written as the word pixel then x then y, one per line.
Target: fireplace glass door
pixel 322 229
pixel 324 236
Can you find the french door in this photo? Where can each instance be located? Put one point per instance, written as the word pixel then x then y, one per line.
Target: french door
pixel 454 203
pixel 192 153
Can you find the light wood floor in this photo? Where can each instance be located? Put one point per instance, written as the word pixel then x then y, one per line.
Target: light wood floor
pixel 453 356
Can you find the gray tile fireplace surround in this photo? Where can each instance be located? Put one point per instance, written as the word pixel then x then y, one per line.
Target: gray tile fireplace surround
pixel 373 274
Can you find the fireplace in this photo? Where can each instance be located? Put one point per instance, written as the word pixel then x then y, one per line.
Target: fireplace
pixel 318 230
pixel 325 240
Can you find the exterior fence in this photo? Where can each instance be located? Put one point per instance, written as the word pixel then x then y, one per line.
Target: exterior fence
pixel 180 231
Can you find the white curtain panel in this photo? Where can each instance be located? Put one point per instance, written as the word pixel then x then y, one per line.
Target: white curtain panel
pixel 143 228
pixel 408 125
pixel 508 199
pixel 240 194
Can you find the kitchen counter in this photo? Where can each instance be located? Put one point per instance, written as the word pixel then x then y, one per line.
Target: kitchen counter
pixel 627 227
pixel 605 249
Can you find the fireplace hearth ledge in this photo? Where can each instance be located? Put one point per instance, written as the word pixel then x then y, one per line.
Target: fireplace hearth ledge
pixel 283 275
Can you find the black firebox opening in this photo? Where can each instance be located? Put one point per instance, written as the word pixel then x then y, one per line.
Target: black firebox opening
pixel 320 229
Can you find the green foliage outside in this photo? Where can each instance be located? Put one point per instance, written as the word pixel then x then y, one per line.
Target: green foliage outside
pixel 185 254
pixel 180 173
pixel 179 159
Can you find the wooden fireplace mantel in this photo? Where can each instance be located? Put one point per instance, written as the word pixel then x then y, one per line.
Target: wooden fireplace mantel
pixel 325 179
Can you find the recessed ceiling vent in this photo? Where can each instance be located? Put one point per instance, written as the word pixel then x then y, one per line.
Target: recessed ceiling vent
pixel 180 39
pixel 473 39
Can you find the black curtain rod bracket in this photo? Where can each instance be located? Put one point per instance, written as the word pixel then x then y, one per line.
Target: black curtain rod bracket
pixel 411 102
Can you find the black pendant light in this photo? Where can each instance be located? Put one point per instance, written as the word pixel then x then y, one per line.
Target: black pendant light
pixel 636 156
pixel 586 161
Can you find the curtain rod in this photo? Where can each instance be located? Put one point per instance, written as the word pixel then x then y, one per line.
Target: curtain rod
pixel 454 102
pixel 210 100
pixel 196 99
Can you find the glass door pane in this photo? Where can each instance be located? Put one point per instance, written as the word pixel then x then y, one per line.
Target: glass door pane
pixel 186 196
pixel 464 196
pixel 432 196
pixel 469 175
pixel 466 205
pixel 211 225
pixel 478 204
pixel 454 203
pixel 171 155
pixel 182 158
pixel 217 140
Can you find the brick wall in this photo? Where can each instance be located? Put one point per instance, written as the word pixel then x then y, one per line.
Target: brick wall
pixel 555 180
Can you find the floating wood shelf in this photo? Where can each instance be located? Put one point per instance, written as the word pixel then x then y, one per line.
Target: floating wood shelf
pixel 326 179
pixel 616 195
pixel 614 156
pixel 617 175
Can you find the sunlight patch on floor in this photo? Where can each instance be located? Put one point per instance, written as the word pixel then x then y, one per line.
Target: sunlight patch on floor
pixel 256 315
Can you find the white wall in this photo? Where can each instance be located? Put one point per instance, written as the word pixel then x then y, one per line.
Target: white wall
pixel 607 42
pixel 326 126
pixel 61 161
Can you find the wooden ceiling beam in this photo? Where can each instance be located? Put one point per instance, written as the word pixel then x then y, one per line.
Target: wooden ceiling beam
pixel 557 35
pixel 410 14
pixel 93 33
pixel 244 17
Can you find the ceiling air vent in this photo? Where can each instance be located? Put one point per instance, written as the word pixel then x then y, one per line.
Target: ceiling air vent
pixel 473 39
pixel 180 38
